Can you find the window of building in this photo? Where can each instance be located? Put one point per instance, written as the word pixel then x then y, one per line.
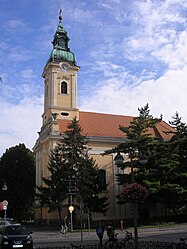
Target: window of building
pixel 102 179
pixel 64 87
pixel 65 114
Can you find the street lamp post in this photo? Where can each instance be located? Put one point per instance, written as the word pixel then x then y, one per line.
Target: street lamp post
pixel 71 209
pixel 4 187
pixel 119 161
pixel 5 202
pixel 135 220
pixel 81 205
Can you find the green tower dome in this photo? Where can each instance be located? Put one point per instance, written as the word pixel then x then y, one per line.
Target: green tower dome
pixel 61 51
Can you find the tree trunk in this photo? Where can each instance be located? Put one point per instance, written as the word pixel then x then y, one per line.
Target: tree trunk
pixel 60 214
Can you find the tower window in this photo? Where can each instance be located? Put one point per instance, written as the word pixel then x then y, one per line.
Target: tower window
pixel 64 113
pixel 64 88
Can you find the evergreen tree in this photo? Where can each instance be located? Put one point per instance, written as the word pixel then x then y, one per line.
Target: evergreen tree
pixel 179 140
pixel 54 192
pixel 165 173
pixel 139 145
pixel 74 149
pixel 70 158
pixel 162 176
pixel 88 184
pixel 167 177
pixel 180 127
pixel 178 147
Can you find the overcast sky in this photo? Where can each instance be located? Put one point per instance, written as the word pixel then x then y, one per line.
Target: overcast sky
pixel 131 52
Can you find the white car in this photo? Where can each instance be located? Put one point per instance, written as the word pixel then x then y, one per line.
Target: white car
pixel 7 222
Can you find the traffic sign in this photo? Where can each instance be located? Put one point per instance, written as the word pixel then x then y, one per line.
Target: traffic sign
pixel 1 206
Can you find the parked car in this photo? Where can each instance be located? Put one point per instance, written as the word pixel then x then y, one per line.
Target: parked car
pixel 16 236
pixel 7 222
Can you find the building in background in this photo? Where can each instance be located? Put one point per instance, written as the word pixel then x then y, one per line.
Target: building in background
pixel 102 130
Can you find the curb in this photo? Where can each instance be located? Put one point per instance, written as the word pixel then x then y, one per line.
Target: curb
pixel 58 235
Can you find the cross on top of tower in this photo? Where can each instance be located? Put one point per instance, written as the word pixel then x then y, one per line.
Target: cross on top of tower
pixel 60 15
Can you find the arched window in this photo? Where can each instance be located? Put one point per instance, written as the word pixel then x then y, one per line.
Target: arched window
pixel 64 87
pixel 102 179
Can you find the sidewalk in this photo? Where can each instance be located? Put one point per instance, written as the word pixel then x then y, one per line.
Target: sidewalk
pixel 42 235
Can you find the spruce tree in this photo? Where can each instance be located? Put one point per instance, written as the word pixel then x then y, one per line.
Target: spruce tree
pixel 139 145
pixel 70 157
pixel 54 191
pixel 75 153
pixel 178 182
pixel 88 183
pixel 165 172
pixel 167 177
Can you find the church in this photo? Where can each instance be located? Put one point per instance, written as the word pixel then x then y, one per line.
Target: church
pixel 102 130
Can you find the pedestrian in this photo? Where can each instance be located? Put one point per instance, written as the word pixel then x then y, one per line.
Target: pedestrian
pixel 64 227
pixel 110 230
pixel 65 224
pixel 122 224
pixel 100 232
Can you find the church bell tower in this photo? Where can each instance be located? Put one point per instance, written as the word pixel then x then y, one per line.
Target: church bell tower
pixel 60 104
pixel 60 80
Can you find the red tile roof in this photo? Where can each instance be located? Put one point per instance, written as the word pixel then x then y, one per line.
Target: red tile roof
pixel 107 125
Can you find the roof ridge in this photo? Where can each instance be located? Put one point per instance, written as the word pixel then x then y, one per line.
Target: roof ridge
pixel 107 114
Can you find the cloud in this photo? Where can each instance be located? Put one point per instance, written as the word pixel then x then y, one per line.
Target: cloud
pixel 27 74
pixel 131 53
pixel 147 66
pixel 19 54
pixel 166 95
pixel 15 24
pixel 20 122
pixel 175 54
pixel 15 90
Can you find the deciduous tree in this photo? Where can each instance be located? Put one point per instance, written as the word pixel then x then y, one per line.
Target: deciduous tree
pixel 17 167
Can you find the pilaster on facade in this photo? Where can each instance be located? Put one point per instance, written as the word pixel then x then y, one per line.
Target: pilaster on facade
pixel 74 91
pixel 53 88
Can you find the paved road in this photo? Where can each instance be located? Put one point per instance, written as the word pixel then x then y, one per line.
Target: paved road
pixel 55 238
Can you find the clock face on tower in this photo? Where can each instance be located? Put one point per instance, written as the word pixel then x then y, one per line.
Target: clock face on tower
pixel 64 67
